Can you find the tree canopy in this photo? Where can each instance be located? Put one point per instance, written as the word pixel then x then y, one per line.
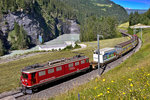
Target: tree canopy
pixel 18 38
pixel 105 26
pixel 136 18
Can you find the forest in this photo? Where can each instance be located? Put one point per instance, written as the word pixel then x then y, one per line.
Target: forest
pixel 99 8
pixel 105 26
pixel 136 18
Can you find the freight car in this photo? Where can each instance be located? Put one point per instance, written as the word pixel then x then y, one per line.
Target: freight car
pixel 38 75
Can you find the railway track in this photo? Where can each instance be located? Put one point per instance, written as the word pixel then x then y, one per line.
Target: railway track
pixel 66 84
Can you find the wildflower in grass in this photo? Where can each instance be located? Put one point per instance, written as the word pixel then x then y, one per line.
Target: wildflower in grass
pixel 131 85
pixel 123 93
pixel 96 80
pixel 112 81
pixel 148 74
pixel 95 88
pixel 99 94
pixel 84 97
pixel 108 91
pixel 104 80
pixel 130 90
pixel 108 88
pixel 130 79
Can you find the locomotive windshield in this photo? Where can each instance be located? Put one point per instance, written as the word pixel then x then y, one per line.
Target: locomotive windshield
pixel 24 75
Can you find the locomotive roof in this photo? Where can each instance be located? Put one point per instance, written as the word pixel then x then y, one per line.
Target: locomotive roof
pixel 39 67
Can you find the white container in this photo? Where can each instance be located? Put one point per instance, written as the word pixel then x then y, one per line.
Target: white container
pixel 106 54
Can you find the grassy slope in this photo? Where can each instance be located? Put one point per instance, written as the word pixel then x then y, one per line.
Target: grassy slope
pixel 130 80
pixel 10 72
pixel 124 26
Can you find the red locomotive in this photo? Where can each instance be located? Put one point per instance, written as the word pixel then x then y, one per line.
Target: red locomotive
pixel 38 75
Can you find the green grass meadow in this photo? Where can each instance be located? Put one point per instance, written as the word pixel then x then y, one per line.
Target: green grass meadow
pixel 128 81
pixel 10 72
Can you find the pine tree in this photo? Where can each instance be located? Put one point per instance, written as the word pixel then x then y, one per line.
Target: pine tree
pixel 23 41
pixel 2 49
pixel 19 38
pixel 16 28
pixel 6 5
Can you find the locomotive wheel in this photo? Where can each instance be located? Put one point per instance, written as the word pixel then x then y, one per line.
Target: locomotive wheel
pixel 23 90
pixel 35 90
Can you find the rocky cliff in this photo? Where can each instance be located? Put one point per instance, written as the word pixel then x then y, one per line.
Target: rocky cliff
pixel 34 25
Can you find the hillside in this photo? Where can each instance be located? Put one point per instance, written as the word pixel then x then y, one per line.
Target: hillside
pixel 86 8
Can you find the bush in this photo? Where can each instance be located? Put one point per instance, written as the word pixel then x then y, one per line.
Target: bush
pixel 77 46
pixel 69 47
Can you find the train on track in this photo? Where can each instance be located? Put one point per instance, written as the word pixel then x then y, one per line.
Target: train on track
pixel 38 75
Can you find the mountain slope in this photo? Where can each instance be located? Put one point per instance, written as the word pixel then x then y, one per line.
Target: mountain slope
pixel 86 8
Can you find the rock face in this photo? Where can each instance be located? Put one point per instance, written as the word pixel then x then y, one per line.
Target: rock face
pixel 32 24
pixel 74 27
pixel 35 25
pixel 70 27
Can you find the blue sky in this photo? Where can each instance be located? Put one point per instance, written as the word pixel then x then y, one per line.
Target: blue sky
pixel 133 4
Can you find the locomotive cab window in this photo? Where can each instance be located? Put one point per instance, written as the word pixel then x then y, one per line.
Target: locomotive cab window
pixel 59 68
pixel 82 62
pixel 42 73
pixel 50 71
pixel 25 75
pixel 71 65
pixel 76 63
pixel 87 60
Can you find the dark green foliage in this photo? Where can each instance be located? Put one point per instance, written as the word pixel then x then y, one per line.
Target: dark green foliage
pixel 18 38
pixel 14 5
pixel 86 8
pixel 2 48
pixel 130 31
pixel 69 47
pixel 72 9
pixel 136 18
pixel 77 46
pixel 105 26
